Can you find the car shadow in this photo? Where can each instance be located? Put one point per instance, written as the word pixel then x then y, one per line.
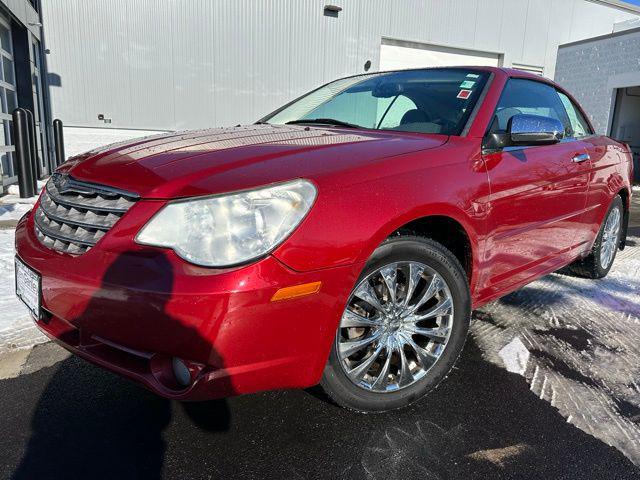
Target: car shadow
pixel 520 296
pixel 93 424
pixel 482 422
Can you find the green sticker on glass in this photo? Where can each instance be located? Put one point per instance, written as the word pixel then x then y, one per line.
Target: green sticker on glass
pixel 467 84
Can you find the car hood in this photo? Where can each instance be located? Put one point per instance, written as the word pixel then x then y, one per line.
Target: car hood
pixel 220 160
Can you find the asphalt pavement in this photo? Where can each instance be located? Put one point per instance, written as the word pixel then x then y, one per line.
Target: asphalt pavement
pixel 73 420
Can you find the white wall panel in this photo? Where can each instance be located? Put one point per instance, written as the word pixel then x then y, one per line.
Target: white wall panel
pixel 489 20
pixel 150 60
pixel 105 60
pixel 512 31
pixel 270 57
pixel 462 23
pixel 373 26
pixel 558 33
pixel 176 64
pixel 413 19
pixel 234 70
pixel 68 91
pixel 306 60
pixel 536 32
pixel 194 65
pixel 341 40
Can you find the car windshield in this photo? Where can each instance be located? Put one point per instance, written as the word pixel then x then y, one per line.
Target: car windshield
pixel 424 101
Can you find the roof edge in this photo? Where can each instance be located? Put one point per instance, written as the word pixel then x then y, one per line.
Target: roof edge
pixel 628 7
pixel 600 37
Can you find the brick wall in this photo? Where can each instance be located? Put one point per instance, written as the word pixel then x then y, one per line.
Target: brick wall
pixel 586 69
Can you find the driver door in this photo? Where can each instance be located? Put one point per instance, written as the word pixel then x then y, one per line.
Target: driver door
pixel 538 193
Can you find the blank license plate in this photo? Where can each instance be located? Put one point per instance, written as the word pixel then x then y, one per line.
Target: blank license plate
pixel 28 287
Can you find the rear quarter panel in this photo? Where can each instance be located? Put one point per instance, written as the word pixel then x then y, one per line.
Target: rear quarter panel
pixel 610 174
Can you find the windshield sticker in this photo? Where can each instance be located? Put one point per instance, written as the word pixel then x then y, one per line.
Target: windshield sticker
pixel 473 75
pixel 464 94
pixel 467 84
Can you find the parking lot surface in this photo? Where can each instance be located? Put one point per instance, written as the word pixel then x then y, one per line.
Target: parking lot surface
pixel 73 420
pixel 545 388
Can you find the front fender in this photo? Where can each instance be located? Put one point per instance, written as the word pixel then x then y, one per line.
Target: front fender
pixel 469 226
pixel 348 223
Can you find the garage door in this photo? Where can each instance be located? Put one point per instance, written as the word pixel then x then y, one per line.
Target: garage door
pixel 396 55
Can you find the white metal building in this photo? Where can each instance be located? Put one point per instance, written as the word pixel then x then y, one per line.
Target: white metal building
pixel 180 64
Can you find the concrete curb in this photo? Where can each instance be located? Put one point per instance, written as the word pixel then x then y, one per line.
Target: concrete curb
pixel 24 361
pixel 8 224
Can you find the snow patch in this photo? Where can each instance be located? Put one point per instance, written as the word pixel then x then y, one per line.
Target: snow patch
pixel 11 202
pixel 17 329
pixel 515 356
pixel 13 211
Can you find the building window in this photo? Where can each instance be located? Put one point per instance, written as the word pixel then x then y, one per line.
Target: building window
pixel 8 102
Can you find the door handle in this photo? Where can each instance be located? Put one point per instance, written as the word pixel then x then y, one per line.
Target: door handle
pixel 581 157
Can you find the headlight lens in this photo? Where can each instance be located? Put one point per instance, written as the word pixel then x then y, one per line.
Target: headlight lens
pixel 230 229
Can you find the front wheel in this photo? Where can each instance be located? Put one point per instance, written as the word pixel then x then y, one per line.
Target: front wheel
pixel 403 327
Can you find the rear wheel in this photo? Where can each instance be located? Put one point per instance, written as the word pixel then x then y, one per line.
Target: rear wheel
pixel 599 261
pixel 403 327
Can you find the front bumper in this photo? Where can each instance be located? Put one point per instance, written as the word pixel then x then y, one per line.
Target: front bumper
pixel 132 309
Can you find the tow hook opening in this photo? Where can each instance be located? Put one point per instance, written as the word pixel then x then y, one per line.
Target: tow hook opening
pixel 175 373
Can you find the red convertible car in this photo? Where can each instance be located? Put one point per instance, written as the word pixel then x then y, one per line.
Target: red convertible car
pixel 343 239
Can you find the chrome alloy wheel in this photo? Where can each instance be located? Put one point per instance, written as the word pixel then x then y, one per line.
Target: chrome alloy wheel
pixel 395 327
pixel 610 238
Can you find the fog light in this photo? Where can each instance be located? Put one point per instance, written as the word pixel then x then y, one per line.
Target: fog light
pixel 181 372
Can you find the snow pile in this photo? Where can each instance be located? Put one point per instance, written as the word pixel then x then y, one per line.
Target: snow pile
pixel 13 211
pixel 515 356
pixel 17 329
pixel 12 207
pixel 577 343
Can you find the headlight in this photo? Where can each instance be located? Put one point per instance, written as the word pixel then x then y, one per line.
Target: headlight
pixel 226 230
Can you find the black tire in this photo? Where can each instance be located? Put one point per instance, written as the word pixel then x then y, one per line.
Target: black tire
pixel 335 381
pixel 591 266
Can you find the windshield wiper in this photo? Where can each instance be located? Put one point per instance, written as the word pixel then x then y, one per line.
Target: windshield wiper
pixel 324 121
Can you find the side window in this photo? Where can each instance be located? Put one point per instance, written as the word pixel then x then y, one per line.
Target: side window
pixel 579 126
pixel 394 112
pixel 528 97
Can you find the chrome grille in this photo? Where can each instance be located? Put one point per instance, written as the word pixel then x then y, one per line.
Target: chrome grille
pixel 73 216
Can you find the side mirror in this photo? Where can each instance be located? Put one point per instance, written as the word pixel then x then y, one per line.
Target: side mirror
pixel 525 130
